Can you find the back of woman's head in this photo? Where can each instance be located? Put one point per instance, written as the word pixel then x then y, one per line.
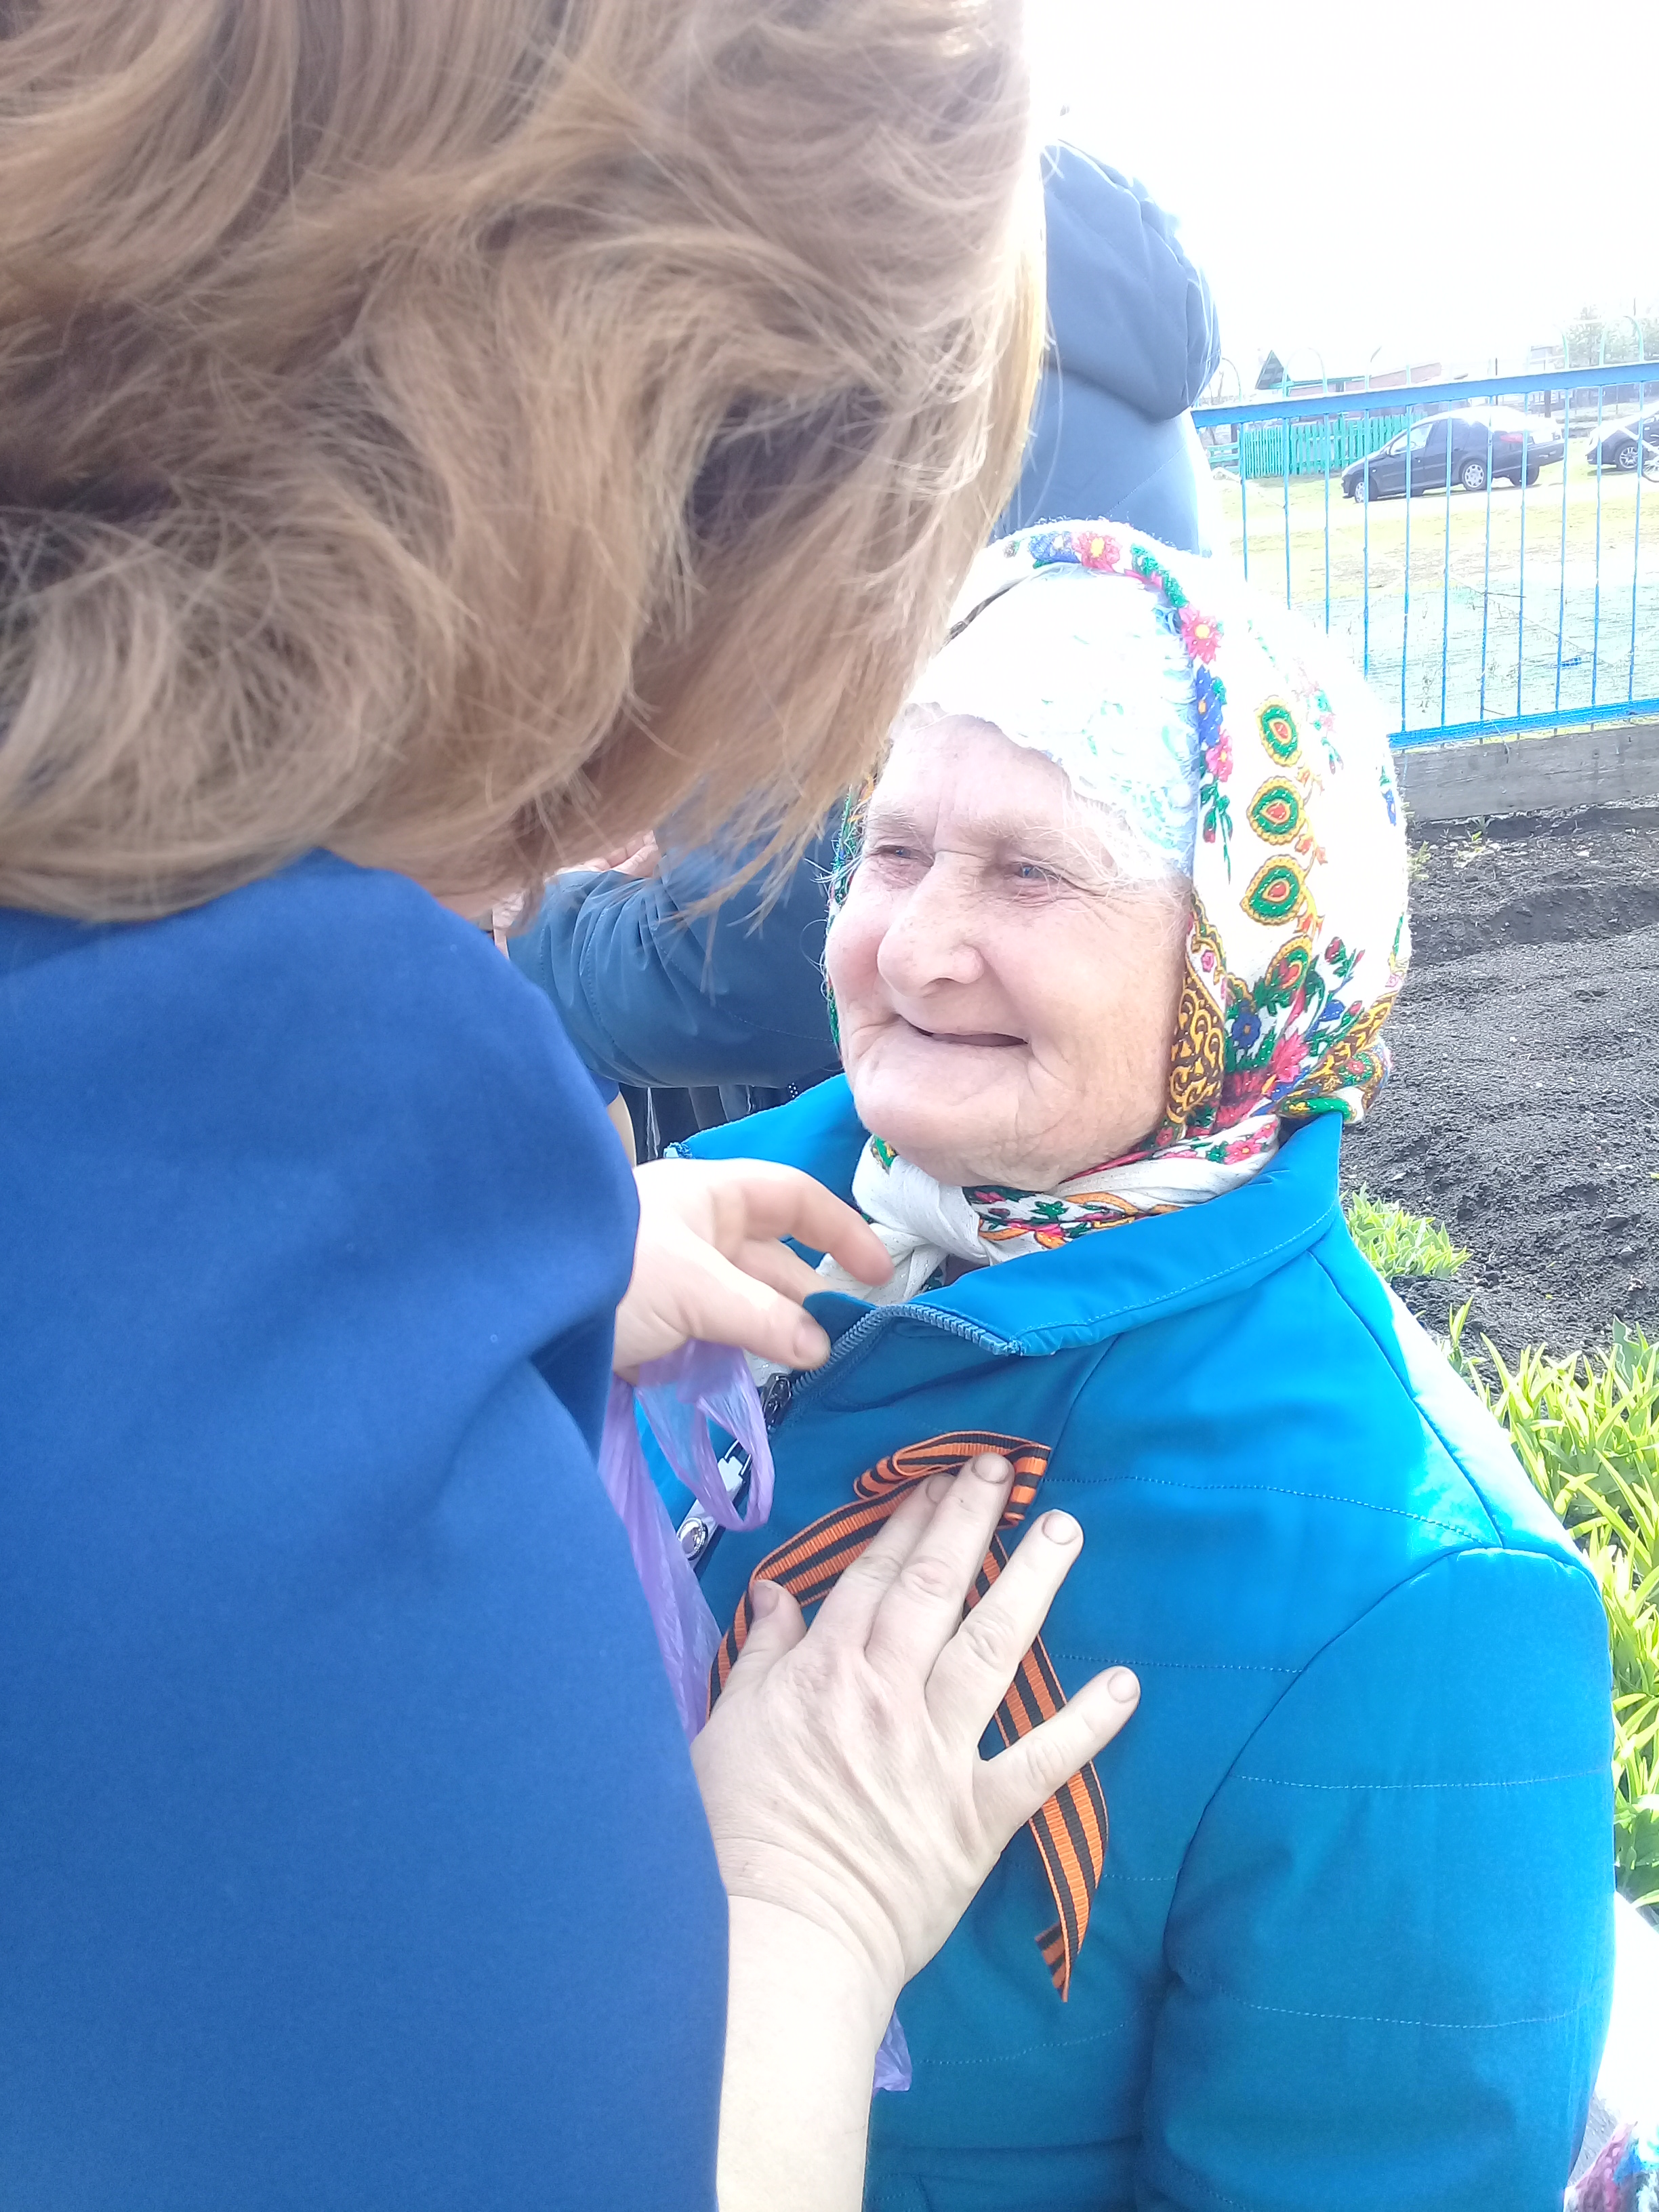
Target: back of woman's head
pixel 452 431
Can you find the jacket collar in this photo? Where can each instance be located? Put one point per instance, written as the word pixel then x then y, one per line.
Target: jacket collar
pixel 1102 1284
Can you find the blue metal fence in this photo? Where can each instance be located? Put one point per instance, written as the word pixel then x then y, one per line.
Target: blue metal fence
pixel 1505 607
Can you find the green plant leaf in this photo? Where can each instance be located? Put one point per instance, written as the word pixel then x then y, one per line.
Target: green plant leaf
pixel 1397 1242
pixel 1586 1429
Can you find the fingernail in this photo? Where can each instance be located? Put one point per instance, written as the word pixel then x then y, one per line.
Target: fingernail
pixel 1060 1529
pixel 811 1345
pixel 937 1486
pixel 1123 1686
pixel 990 1467
pixel 763 1600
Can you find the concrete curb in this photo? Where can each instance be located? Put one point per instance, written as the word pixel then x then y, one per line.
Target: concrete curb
pixel 1480 776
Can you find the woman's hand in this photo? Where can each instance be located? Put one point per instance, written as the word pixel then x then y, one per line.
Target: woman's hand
pixel 707 1262
pixel 636 856
pixel 854 1820
pixel 840 1766
pixel 643 861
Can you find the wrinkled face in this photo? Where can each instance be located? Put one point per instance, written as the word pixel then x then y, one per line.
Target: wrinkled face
pixel 1006 1006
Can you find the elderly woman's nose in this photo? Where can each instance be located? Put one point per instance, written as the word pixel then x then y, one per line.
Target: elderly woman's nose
pixel 933 935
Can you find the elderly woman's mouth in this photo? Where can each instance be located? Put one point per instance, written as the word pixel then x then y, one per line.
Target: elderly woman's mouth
pixel 965 1036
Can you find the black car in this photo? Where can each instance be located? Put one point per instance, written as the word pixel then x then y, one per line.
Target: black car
pixel 1618 445
pixel 1466 447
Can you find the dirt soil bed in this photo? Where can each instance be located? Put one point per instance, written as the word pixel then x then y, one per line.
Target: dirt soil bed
pixel 1524 1109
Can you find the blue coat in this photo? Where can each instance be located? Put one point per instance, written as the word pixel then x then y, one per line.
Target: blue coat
pixel 350 1857
pixel 1352 1949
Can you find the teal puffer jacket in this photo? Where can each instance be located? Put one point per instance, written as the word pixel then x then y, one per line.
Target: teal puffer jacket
pixel 1351 1946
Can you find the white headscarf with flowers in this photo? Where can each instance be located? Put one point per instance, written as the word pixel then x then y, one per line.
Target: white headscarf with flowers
pixel 1230 744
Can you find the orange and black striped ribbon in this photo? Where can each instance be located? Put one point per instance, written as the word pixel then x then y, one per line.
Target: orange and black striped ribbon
pixel 1070 1829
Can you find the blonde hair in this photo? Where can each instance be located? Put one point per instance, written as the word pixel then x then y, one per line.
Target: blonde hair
pixel 456 431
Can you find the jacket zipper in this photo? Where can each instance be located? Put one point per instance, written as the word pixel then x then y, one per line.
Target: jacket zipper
pixel 853 1343
pixel 700 1534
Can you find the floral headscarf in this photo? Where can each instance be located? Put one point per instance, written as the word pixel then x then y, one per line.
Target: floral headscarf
pixel 1299 940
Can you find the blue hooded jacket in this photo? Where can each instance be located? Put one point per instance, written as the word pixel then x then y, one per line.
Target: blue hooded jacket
pixel 1132 341
pixel 350 1858
pixel 1352 1943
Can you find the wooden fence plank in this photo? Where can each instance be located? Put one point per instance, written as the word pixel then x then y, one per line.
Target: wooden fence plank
pixel 1458 782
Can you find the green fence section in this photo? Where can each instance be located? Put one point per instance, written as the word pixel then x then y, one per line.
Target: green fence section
pixel 1315 447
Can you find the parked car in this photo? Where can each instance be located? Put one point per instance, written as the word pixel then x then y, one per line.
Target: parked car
pixel 1618 445
pixel 1466 446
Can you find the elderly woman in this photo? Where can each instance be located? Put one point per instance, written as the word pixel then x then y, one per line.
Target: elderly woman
pixel 1116 936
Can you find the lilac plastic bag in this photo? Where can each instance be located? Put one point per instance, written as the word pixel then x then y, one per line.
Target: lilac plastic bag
pixel 680 1395
pixel 893 2060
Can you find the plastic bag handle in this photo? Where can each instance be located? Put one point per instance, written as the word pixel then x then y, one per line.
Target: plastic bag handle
pixel 682 1395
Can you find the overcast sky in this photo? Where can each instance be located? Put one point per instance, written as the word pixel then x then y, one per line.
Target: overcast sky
pixel 1431 178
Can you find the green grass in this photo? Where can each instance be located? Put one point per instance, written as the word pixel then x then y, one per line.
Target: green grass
pixel 1557 509
pixel 1586 1432
pixel 1397 1242
pixel 1586 1429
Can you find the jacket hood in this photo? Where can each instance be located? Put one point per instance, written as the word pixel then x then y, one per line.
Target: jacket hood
pixel 1128 311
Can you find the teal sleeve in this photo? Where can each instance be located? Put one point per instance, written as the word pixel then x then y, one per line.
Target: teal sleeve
pixel 1389 1951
